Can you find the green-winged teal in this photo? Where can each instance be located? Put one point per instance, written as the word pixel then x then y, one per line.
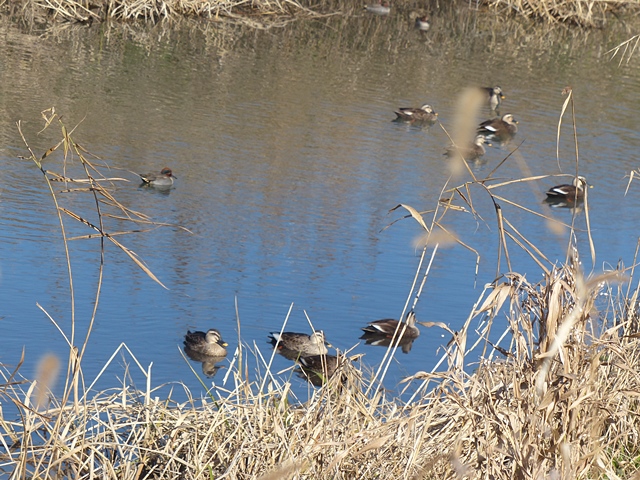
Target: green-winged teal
pixel 162 179
pixel 422 23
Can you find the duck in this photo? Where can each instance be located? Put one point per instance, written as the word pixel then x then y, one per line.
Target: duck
pixel 379 8
pixel 471 152
pixel 424 114
pixel 162 179
pixel 422 23
pixel 209 343
pixel 499 128
pixel 569 193
pixel 494 96
pixel 293 345
pixel 387 327
pixel 317 369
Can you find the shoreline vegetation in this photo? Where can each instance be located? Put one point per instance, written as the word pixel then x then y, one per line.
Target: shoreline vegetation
pixel 268 13
pixel 555 395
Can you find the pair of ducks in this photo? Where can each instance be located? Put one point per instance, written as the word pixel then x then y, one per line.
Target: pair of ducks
pixel 383 8
pixel 425 114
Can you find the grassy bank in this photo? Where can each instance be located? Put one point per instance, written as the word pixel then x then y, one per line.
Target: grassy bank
pixel 266 13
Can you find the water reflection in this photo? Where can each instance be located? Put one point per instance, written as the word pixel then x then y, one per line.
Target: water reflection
pixel 210 363
pixel 289 164
pixel 378 340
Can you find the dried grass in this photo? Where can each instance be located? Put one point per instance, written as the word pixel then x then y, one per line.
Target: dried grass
pixel 584 13
pixel 555 394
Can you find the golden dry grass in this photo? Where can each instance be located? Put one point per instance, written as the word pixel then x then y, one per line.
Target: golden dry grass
pixel 585 13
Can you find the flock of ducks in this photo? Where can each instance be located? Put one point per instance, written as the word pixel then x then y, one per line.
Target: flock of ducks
pixel 500 129
pixel 310 352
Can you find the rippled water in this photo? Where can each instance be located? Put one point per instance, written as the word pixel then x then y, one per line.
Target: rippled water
pixel 288 164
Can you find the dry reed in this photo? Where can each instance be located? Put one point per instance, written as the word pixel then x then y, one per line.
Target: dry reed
pixel 584 13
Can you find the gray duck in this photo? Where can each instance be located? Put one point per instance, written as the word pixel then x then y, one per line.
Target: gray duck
pixel 293 345
pixel 424 114
pixel 202 343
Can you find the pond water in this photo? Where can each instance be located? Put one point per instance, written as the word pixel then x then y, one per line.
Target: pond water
pixel 288 165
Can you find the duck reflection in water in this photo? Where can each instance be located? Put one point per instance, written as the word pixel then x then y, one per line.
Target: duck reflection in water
pixel 292 345
pixel 381 332
pixel 207 348
pixel 384 341
pixel 209 362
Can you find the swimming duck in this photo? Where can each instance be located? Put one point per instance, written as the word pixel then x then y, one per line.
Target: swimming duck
pixel 499 128
pixel 389 326
pixel 379 8
pixel 294 345
pixel 494 96
pixel 209 343
pixel 424 114
pixel 573 192
pixel 162 179
pixel 471 152
pixel 422 23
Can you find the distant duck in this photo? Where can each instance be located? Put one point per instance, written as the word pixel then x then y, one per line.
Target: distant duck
pixel 389 326
pixel 293 345
pixel 424 114
pixel 499 128
pixel 494 96
pixel 568 193
pixel 422 23
pixel 202 343
pixel 471 152
pixel 162 179
pixel 379 8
